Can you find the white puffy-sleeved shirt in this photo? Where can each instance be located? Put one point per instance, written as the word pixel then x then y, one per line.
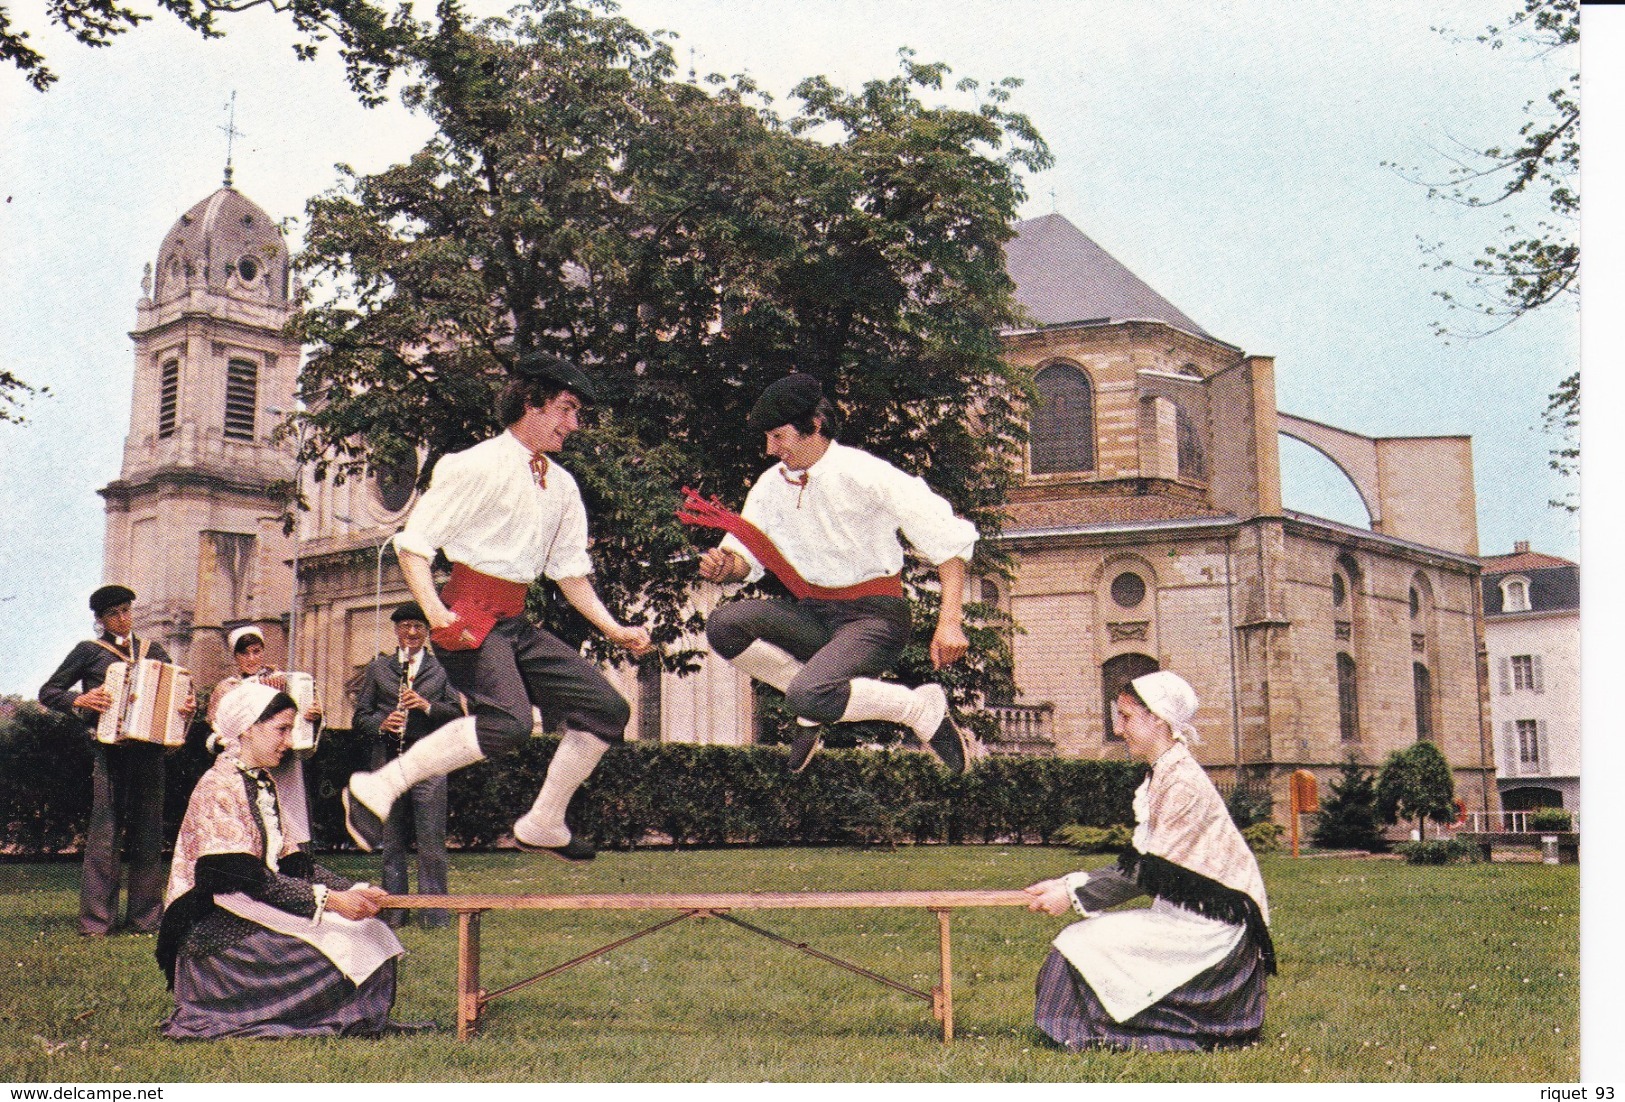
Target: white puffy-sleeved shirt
pixel 484 508
pixel 842 527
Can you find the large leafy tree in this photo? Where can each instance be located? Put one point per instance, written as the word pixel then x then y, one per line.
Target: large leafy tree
pixel 689 245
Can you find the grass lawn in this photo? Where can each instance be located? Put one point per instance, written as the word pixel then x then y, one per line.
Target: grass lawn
pixel 1389 972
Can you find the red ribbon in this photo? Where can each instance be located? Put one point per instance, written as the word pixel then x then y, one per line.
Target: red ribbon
pixel 701 513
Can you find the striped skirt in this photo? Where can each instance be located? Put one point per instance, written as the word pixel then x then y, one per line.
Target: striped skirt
pixel 266 984
pixel 1222 1006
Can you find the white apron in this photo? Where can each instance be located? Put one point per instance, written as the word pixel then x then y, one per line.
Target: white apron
pixel 356 948
pixel 1131 959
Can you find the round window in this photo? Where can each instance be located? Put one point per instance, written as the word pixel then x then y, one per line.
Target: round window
pixel 248 269
pixel 394 482
pixel 1128 589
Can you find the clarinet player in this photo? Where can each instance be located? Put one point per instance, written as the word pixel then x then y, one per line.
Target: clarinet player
pixel 404 696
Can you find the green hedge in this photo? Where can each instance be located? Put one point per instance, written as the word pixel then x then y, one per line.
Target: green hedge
pixel 641 793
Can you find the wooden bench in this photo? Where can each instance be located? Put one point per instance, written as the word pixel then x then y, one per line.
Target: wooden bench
pixel 472 998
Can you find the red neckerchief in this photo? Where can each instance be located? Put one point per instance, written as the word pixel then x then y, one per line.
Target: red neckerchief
pixel 799 483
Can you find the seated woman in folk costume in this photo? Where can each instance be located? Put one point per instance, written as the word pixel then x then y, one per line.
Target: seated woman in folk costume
pixel 258 940
pixel 1186 973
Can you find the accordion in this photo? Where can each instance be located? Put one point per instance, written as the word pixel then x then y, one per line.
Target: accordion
pixel 306 734
pixel 147 699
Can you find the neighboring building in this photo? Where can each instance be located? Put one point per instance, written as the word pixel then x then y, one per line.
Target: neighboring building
pixel 1532 630
pixel 1147 530
pixel 194 520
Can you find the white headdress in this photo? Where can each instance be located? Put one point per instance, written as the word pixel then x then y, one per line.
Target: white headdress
pixel 241 633
pixel 1170 699
pixel 239 710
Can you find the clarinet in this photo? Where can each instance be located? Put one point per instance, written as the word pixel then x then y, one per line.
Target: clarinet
pixel 406 683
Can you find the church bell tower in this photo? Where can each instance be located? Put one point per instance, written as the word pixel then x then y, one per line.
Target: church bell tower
pixel 194 518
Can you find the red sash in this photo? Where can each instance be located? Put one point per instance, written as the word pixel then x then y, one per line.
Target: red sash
pixel 478 601
pixel 697 511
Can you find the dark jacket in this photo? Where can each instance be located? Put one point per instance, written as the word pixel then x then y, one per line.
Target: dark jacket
pixel 380 692
pixel 86 667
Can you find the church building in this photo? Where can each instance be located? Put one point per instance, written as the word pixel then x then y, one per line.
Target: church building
pixel 195 517
pixel 1147 529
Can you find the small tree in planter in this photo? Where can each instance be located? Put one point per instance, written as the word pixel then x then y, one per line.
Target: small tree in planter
pixel 1555 820
pixel 1416 783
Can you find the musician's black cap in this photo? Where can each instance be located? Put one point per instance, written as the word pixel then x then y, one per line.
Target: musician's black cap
pixel 790 399
pixel 546 367
pixel 109 597
pixel 410 610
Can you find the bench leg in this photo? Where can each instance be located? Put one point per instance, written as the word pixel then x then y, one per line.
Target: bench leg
pixel 943 1004
pixel 468 974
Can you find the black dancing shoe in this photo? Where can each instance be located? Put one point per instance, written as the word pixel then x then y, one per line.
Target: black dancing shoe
pixel 365 828
pixel 948 744
pixel 574 851
pixel 804 746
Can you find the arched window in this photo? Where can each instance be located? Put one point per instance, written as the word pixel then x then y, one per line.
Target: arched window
pixel 1062 435
pixel 649 700
pixel 1192 461
pixel 1348 698
pixel 1114 678
pixel 1515 595
pixel 1424 701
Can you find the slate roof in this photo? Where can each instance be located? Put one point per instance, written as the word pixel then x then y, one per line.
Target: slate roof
pixel 1062 277
pixel 1554 583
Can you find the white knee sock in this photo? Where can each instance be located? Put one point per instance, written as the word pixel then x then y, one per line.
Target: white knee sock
pixel 440 752
pixel 921 710
pixel 768 664
pixel 573 762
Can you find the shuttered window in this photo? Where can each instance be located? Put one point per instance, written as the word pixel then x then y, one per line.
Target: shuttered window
pixel 242 395
pixel 169 397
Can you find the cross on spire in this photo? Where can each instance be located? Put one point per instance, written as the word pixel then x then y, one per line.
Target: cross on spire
pixel 231 132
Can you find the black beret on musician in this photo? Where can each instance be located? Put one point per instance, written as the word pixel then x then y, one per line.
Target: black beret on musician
pixel 545 367
pixel 790 399
pixel 410 610
pixel 109 597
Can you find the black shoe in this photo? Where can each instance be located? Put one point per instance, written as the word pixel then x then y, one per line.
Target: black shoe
pixel 365 828
pixel 948 744
pixel 804 746
pixel 575 850
pixel 393 1028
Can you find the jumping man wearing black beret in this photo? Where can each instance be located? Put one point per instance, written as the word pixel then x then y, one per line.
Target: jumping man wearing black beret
pixel 826 520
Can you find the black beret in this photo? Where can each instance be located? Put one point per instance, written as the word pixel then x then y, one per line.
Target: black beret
pixel 545 367
pixel 790 399
pixel 110 596
pixel 410 610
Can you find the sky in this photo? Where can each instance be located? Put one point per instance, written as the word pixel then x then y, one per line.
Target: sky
pixel 1232 153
